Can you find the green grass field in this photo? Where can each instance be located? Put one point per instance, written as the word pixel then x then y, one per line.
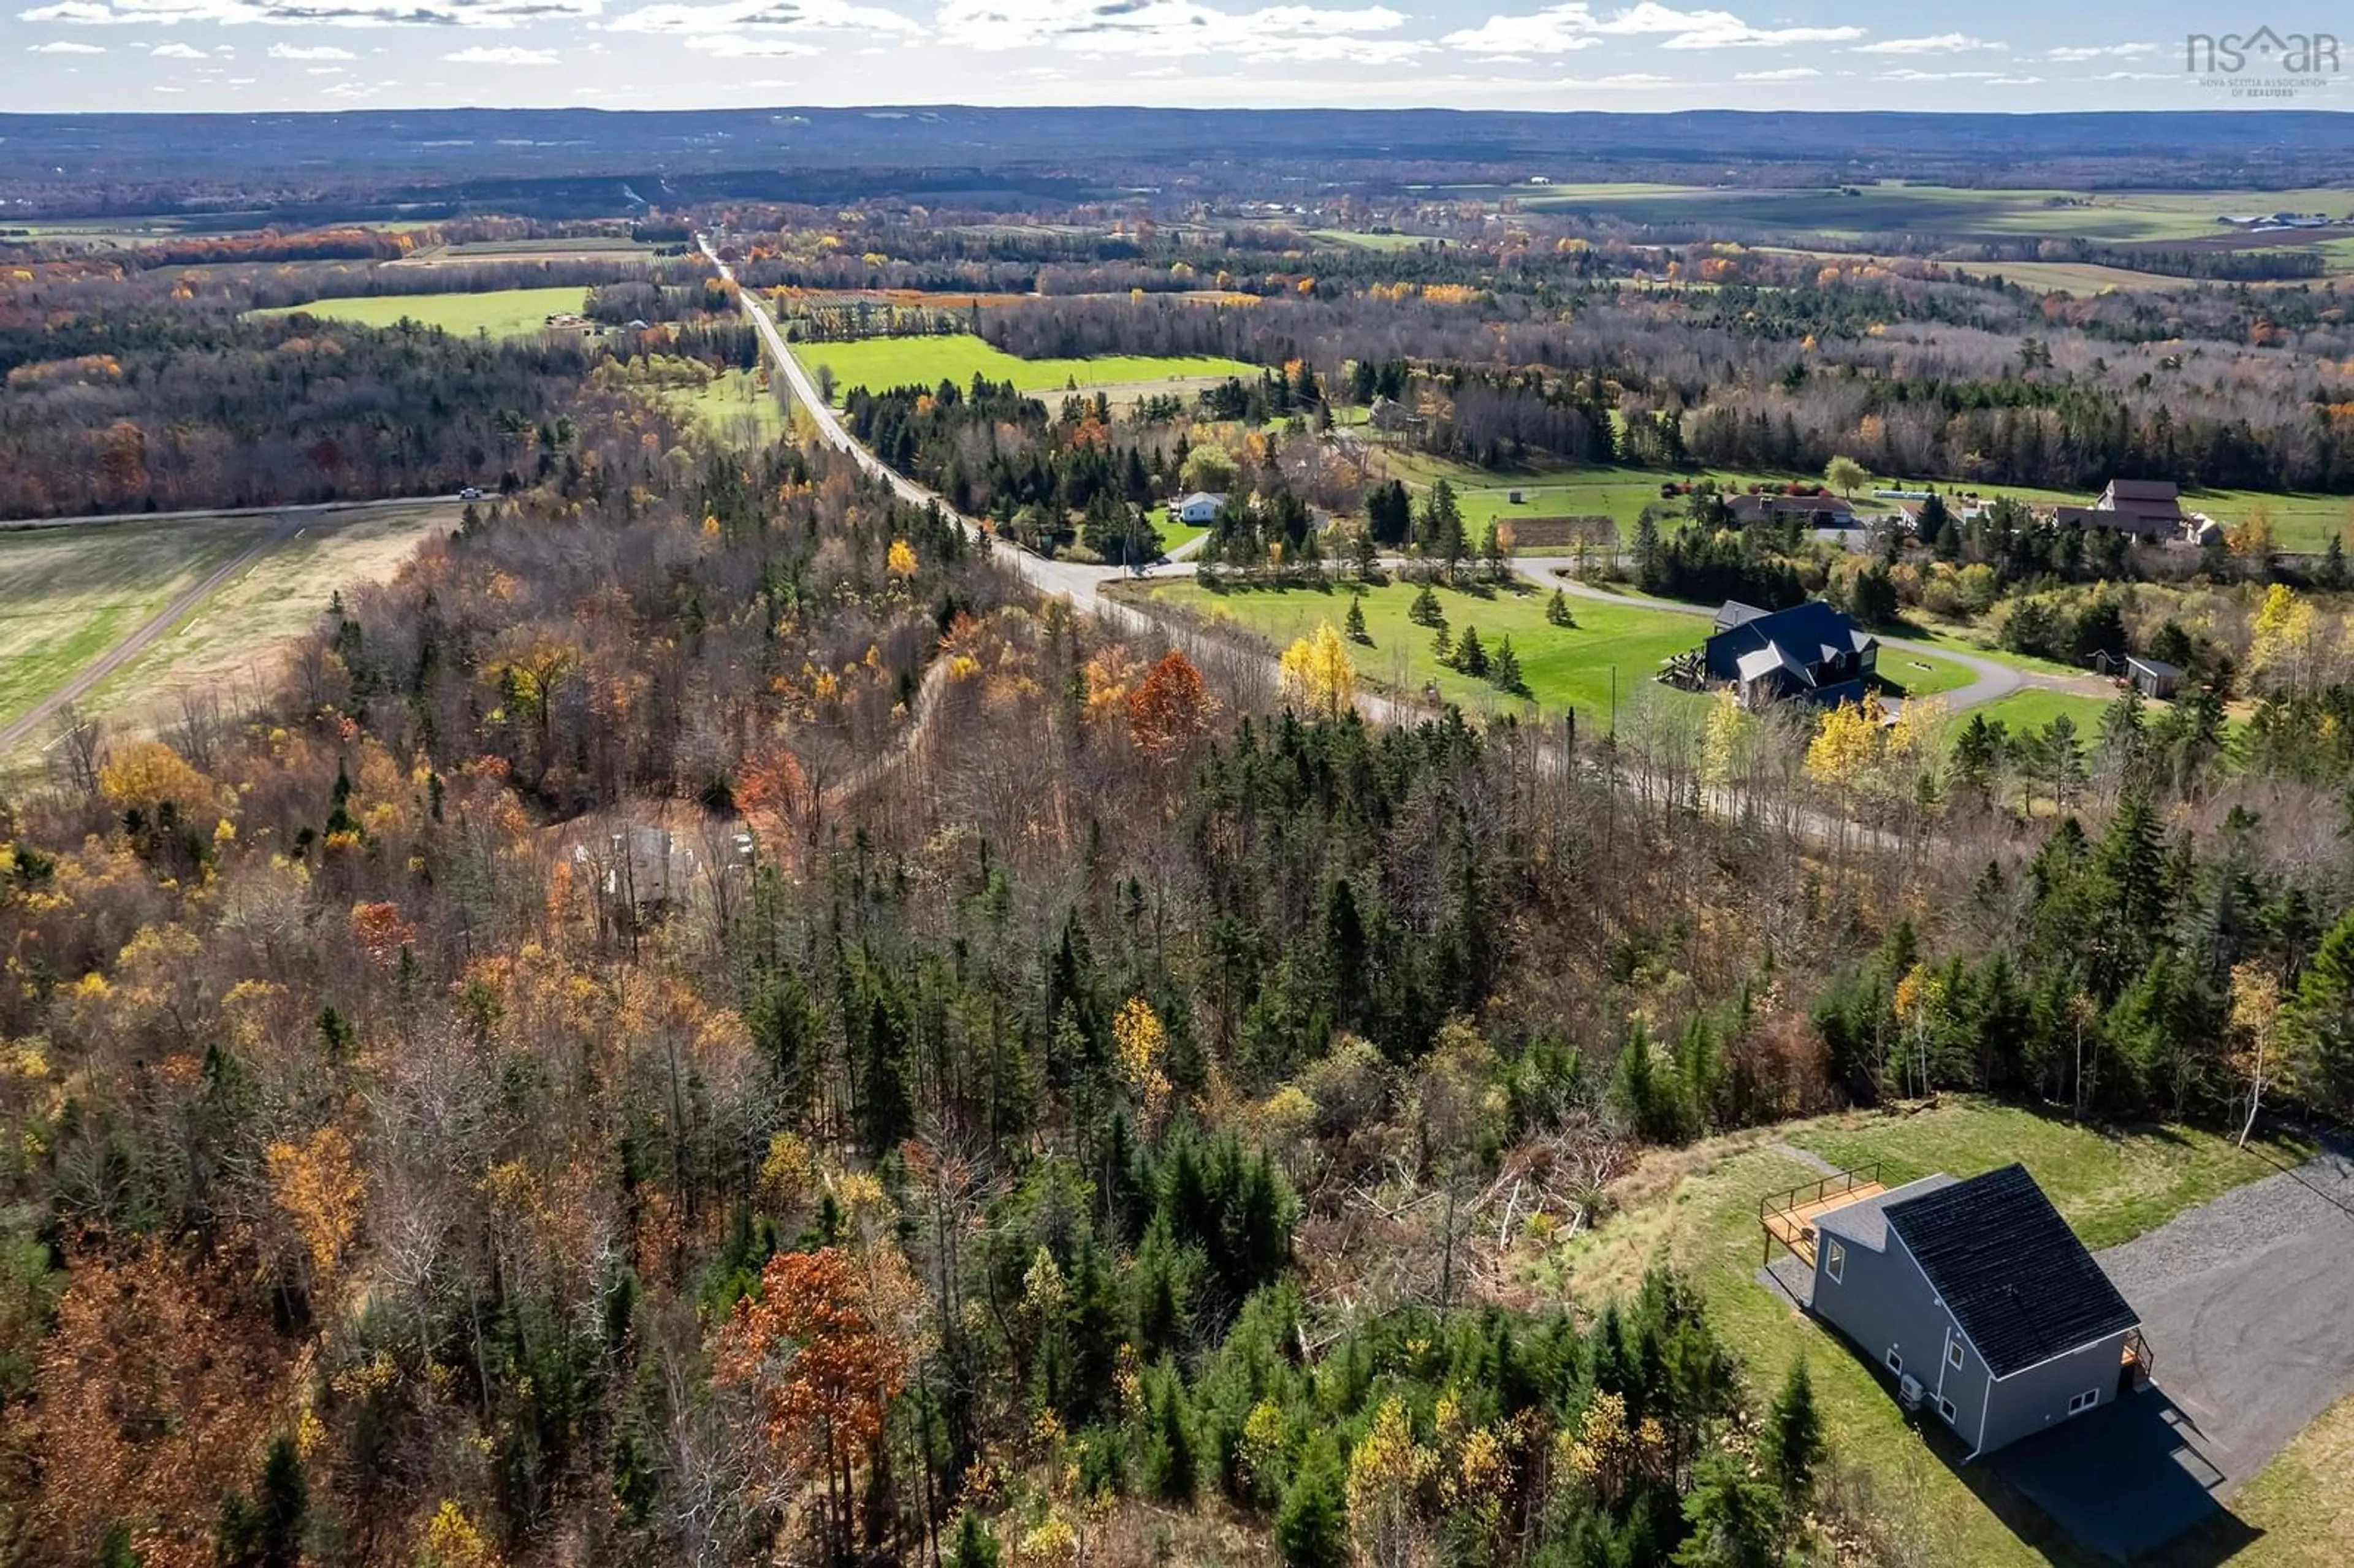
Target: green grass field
pixel 2032 710
pixel 732 407
pixel 1383 242
pixel 501 313
pixel 66 594
pixel 1698 1208
pixel 1565 667
pixel 880 362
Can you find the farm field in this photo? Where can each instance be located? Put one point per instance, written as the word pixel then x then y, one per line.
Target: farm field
pixel 2072 276
pixel 501 313
pixel 232 641
pixel 73 594
pixel 66 594
pixel 1697 1208
pixel 881 362
pixel 1893 206
pixel 1384 242
pixel 2300 521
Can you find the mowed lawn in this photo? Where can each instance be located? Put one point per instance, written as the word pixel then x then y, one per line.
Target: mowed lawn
pixel 68 595
pixel 2034 710
pixel 1565 667
pixel 501 313
pixel 876 363
pixel 1696 1209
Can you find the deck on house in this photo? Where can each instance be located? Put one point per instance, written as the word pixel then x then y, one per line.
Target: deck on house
pixel 1788 1217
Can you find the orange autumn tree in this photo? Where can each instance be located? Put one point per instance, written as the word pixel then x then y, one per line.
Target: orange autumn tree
pixel 822 1368
pixel 1170 708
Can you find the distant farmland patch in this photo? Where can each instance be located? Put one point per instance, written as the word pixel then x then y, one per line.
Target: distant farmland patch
pixel 501 313
pixel 876 363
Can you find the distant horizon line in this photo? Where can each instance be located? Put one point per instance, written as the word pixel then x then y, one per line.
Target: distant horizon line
pixel 1724 112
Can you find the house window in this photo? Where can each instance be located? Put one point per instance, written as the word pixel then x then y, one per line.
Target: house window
pixel 1895 1362
pixel 1954 1353
pixel 1834 1260
pixel 2084 1401
pixel 1945 1409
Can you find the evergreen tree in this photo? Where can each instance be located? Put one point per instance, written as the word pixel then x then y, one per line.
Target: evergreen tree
pixel 1735 1522
pixel 1426 610
pixel 1651 555
pixel 1557 610
pixel 1793 1444
pixel 1506 670
pixel 1311 1526
pixel 1442 646
pixel 1469 657
pixel 1355 625
pixel 975 1546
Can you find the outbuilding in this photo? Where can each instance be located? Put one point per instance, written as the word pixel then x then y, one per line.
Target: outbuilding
pixel 2152 677
pixel 1199 509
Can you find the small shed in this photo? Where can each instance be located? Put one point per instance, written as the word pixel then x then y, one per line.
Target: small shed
pixel 2152 677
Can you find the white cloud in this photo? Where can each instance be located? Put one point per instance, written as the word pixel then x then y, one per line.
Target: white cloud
pixel 311 13
pixel 2098 51
pixel 1997 77
pixel 737 47
pixel 505 55
pixel 1942 44
pixel 61 47
pixel 323 71
pixel 177 52
pixel 765 16
pixel 1557 29
pixel 1619 79
pixel 309 52
pixel 1788 73
pixel 1163 28
pixel 2136 76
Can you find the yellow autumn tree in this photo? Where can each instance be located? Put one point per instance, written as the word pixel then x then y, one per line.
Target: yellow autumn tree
pixel 900 560
pixel 1385 1470
pixel 1142 1042
pixel 146 773
pixel 2283 637
pixel 319 1186
pixel 1847 745
pixel 1318 672
pixel 1723 741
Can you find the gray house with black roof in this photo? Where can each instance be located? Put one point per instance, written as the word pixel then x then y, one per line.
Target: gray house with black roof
pixel 1979 1301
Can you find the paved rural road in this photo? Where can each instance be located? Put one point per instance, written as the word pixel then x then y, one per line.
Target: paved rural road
pixel 1083 585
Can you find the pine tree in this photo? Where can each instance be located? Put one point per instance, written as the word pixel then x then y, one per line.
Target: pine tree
pixel 1311 1526
pixel 1734 1520
pixel 1426 610
pixel 1355 625
pixel 1506 671
pixel 1793 1443
pixel 1469 657
pixel 1557 610
pixel 1651 555
pixel 1442 647
pixel 975 1546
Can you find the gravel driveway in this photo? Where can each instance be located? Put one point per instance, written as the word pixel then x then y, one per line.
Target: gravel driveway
pixel 2243 1303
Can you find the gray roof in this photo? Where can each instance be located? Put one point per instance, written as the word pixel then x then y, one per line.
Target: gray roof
pixel 1865 1221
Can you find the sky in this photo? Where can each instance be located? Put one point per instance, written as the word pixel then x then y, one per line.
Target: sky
pixel 1992 55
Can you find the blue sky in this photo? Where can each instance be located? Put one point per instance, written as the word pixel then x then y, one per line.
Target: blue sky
pixel 2007 55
